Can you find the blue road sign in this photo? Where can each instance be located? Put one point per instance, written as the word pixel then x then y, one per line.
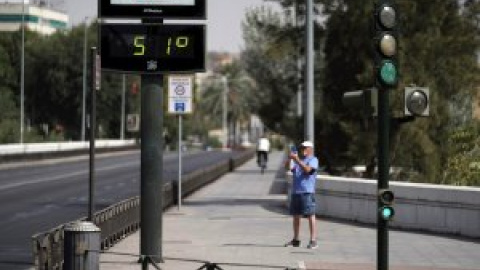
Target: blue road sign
pixel 180 106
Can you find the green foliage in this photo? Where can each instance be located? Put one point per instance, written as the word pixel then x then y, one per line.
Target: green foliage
pixel 9 118
pixel 438 48
pixel 213 142
pixel 271 59
pixel 54 87
pixel 463 166
pixel 241 98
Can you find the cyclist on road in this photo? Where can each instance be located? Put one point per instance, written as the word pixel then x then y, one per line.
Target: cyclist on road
pixel 263 147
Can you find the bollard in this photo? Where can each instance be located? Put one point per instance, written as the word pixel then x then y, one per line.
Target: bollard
pixel 81 246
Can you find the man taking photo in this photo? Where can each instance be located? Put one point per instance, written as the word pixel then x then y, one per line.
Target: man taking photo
pixel 304 169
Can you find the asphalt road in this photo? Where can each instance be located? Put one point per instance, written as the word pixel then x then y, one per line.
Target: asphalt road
pixel 38 196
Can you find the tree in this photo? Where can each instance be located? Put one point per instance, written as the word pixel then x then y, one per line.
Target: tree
pixel 463 168
pixel 271 59
pixel 439 44
pixel 241 98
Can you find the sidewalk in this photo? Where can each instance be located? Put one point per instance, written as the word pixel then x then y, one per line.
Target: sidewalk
pixel 241 222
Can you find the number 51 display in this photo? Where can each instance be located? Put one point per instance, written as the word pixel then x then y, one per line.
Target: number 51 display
pixel 145 48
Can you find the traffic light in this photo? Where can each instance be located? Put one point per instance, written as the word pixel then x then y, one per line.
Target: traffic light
pixel 363 101
pixel 386 198
pixel 386 43
pixel 417 101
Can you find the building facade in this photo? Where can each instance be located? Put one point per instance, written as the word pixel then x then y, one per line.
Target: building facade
pixel 37 18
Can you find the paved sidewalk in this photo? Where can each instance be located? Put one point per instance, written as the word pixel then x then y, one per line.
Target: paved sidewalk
pixel 241 221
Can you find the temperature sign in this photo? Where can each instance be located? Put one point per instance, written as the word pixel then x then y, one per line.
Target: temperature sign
pixel 148 48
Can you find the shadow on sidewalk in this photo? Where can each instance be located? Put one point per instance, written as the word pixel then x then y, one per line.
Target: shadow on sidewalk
pixel 272 205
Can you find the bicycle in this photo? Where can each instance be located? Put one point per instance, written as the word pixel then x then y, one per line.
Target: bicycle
pixel 262 163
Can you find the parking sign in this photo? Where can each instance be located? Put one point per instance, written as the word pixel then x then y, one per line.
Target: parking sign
pixel 180 94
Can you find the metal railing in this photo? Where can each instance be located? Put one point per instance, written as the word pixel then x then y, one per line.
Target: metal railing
pixel 122 219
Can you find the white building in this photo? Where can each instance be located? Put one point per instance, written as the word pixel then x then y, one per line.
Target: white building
pixel 37 18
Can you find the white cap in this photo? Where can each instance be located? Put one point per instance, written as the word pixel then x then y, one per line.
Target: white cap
pixel 307 144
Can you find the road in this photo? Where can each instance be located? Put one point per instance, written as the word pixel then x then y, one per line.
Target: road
pixel 38 196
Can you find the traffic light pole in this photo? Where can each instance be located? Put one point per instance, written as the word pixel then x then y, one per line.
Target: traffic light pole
pixel 386 78
pixel 383 174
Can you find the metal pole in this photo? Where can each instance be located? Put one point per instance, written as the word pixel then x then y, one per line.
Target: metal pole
pixel 383 174
pixel 93 128
pixel 309 116
pixel 122 116
pixel 224 115
pixel 84 79
pixel 22 79
pixel 151 187
pixel 179 162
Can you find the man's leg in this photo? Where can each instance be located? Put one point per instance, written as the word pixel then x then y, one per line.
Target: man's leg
pixel 296 227
pixel 312 221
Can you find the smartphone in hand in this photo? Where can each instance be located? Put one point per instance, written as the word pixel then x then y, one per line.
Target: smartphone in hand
pixel 293 149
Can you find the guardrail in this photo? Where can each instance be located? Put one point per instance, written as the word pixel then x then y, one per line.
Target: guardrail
pixel 122 219
pixel 29 151
pixel 423 207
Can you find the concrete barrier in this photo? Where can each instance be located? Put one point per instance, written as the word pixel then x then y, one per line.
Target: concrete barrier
pixel 36 151
pixel 425 207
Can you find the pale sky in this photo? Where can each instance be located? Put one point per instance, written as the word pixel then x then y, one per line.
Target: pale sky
pixel 224 19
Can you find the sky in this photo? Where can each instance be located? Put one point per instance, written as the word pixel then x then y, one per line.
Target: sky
pixel 224 19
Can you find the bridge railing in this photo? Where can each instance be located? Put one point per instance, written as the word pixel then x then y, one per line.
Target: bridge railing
pixel 122 219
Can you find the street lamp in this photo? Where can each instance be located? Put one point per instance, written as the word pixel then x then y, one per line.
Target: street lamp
pixel 122 116
pixel 309 79
pixel 84 77
pixel 22 78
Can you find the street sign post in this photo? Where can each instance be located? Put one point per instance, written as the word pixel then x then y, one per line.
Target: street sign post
pixel 180 102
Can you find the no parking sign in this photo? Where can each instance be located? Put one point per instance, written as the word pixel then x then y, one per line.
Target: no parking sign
pixel 180 94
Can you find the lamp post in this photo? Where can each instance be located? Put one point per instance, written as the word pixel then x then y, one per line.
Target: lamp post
pixel 84 77
pixel 22 78
pixel 309 80
pixel 122 116
pixel 224 115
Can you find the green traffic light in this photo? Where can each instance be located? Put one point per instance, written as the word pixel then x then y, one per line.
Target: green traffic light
pixel 387 212
pixel 388 73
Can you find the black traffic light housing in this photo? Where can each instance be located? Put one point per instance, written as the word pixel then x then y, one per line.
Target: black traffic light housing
pixel 417 101
pixel 386 43
pixel 363 101
pixel 386 199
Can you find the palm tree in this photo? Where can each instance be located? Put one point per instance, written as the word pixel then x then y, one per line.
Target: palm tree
pixel 240 98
